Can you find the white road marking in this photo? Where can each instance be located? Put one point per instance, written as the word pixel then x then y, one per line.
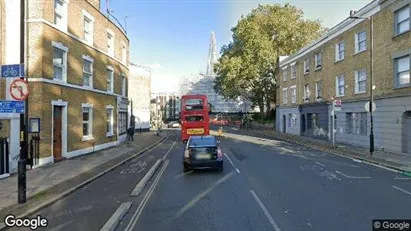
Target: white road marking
pixel 353 177
pixel 141 170
pixel 402 190
pixel 402 178
pixel 237 170
pixel 112 223
pixel 142 183
pixel 169 150
pixel 228 158
pixel 320 164
pixel 303 157
pixel 143 203
pixel 201 195
pixel 267 214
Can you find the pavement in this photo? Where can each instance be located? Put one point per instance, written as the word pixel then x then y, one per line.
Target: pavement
pixel 395 161
pixel 265 185
pixel 47 182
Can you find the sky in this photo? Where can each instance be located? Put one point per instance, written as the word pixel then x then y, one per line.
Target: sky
pixel 172 36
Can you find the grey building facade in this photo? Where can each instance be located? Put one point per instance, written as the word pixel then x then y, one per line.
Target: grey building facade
pixel 392 124
pixel 314 120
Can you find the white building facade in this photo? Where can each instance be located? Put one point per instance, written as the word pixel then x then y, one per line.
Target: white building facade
pixel 139 93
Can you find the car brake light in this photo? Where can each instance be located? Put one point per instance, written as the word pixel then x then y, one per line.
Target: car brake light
pixel 186 153
pixel 220 154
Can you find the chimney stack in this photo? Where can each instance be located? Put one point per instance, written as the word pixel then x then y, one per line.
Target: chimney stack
pixel 352 12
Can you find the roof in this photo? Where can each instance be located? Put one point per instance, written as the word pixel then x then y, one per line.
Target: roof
pixel 202 141
pixel 367 11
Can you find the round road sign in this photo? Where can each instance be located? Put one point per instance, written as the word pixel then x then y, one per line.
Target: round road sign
pixel 19 89
pixel 338 103
pixel 367 106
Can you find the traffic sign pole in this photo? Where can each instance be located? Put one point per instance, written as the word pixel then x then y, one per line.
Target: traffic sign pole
pixel 22 163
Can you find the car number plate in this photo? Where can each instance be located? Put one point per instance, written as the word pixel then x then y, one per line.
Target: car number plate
pixel 203 156
pixel 195 131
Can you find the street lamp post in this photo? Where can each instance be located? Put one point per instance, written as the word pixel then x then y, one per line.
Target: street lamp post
pixel 372 87
pixel 125 22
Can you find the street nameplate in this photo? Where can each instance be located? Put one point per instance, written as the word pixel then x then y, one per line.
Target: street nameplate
pixel 11 106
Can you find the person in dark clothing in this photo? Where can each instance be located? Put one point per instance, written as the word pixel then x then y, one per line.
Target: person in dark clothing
pixel 131 130
pixel 130 134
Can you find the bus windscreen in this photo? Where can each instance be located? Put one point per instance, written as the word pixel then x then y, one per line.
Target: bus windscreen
pixel 194 104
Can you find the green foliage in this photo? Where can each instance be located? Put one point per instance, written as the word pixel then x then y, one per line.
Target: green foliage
pixel 258 40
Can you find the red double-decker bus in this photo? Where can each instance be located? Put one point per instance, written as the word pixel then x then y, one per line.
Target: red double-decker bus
pixel 194 116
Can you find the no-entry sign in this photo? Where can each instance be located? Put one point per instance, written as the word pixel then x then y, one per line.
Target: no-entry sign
pixel 19 89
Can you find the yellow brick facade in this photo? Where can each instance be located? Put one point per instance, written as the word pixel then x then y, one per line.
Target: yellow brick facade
pixel 44 35
pixel 385 44
pixel 352 122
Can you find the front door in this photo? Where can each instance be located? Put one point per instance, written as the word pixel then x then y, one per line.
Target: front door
pixel 284 123
pixel 406 144
pixel 57 142
pixel 302 124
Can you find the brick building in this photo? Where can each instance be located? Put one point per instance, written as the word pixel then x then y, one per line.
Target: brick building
pixel 338 66
pixel 77 68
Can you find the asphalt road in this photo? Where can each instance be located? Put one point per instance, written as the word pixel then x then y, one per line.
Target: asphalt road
pixel 265 185
pixel 91 206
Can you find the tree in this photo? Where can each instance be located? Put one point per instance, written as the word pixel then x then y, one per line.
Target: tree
pixel 248 65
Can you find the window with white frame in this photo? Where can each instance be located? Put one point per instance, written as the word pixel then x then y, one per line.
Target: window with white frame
pixel 306 65
pixel 360 81
pixel 122 122
pixel 60 14
pixel 319 89
pixel 88 27
pixel 402 20
pixel 59 61
pixel 361 41
pixel 318 60
pixel 109 121
pixel 340 51
pixel 293 71
pixel 110 43
pixel 285 96
pixel 285 74
pixel 124 53
pixel 402 71
pixel 110 79
pixel 87 121
pixel 340 85
pixel 293 94
pixel 87 72
pixel 123 85
pixel 356 123
pixel 306 92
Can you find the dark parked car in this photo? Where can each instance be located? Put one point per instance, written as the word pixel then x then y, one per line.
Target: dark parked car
pixel 202 152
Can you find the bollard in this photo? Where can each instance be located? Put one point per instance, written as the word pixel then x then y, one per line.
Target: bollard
pixel 140 130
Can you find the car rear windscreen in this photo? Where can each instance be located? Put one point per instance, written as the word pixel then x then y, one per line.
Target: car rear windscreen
pixel 194 118
pixel 202 142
